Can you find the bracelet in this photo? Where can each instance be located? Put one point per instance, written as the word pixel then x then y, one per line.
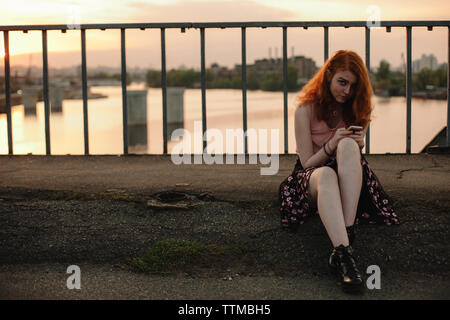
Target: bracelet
pixel 325 149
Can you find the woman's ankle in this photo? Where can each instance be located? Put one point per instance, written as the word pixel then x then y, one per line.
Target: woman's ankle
pixel 351 234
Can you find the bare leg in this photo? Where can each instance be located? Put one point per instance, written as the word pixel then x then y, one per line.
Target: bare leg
pixel 350 177
pixel 324 190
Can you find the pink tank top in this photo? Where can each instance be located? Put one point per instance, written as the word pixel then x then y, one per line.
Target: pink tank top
pixel 320 132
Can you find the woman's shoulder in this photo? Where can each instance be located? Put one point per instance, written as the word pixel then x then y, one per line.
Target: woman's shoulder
pixel 303 116
pixel 307 105
pixel 305 109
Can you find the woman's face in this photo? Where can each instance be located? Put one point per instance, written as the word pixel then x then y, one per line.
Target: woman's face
pixel 342 85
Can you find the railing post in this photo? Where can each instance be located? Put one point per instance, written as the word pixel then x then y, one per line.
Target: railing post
pixel 85 93
pixel 8 92
pixel 45 85
pixel 124 91
pixel 408 89
pixel 285 88
pixel 448 88
pixel 325 43
pixel 203 81
pixel 244 88
pixel 164 87
pixel 368 70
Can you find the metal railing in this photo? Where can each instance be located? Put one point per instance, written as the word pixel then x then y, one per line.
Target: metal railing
pixel 408 25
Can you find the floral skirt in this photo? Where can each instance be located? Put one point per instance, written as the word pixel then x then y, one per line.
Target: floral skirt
pixel 374 206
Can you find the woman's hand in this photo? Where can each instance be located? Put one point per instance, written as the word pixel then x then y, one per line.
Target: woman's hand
pixel 358 136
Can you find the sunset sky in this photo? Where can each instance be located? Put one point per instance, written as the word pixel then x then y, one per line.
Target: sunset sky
pixel 222 46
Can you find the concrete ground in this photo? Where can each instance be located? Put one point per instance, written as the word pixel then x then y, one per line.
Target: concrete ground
pixel 98 211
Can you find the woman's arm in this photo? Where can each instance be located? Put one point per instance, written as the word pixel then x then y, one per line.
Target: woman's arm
pixel 304 141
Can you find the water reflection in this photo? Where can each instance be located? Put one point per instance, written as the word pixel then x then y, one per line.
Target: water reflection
pixel 30 112
pixel 137 121
pixel 223 111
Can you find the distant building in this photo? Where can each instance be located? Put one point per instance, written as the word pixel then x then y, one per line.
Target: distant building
pixel 306 66
pixel 222 71
pixel 265 66
pixel 426 61
pixel 443 66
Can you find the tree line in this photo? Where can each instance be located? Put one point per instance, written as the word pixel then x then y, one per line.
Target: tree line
pixel 383 79
pixel 394 82
pixel 190 78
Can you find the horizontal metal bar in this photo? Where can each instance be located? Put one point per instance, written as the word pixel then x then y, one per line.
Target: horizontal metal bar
pixel 262 24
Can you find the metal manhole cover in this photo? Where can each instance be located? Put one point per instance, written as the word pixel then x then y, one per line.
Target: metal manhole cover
pixel 172 200
pixel 171 196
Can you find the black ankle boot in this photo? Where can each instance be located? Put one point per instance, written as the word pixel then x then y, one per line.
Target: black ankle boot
pixel 351 234
pixel 343 263
pixel 351 240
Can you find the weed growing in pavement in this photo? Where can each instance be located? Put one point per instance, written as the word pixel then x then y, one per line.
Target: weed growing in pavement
pixel 172 255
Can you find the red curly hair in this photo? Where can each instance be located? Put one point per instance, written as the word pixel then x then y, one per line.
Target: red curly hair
pixel 358 108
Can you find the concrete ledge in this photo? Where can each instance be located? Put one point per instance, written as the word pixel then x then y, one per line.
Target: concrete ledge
pixel 425 174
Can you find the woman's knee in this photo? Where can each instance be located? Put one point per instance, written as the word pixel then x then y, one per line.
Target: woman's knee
pixel 347 147
pixel 321 179
pixel 326 176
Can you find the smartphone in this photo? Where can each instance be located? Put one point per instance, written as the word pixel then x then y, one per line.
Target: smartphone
pixel 355 128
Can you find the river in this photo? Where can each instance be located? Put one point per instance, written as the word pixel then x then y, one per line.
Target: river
pixel 224 111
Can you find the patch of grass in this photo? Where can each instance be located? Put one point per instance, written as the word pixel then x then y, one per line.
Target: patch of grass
pixel 172 255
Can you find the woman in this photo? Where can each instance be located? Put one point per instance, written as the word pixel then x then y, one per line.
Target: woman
pixel 331 176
